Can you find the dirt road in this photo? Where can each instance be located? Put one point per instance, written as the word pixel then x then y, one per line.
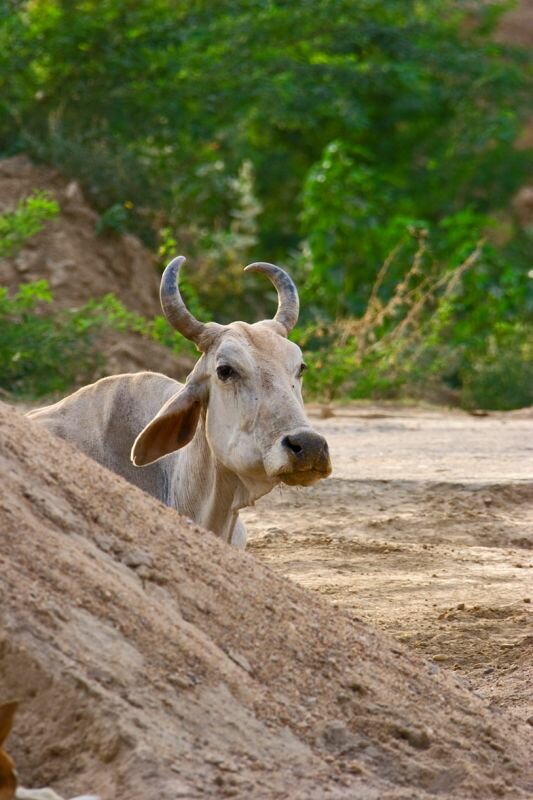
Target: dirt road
pixel 426 529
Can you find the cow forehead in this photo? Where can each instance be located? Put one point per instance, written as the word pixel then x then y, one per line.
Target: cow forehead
pixel 259 342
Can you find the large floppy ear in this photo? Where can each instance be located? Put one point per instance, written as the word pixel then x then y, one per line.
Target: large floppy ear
pixel 175 425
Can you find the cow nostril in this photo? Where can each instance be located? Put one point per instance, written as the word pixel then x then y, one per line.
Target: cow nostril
pixel 292 444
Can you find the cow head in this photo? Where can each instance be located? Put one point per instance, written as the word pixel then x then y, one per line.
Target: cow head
pixel 247 389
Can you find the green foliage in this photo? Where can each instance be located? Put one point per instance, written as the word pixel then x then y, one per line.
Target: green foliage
pixel 354 214
pixel 39 353
pixel 114 218
pixel 216 287
pixel 109 313
pixel 44 352
pixel 23 223
pixel 160 102
pixel 420 341
pixel 311 133
pixel 501 377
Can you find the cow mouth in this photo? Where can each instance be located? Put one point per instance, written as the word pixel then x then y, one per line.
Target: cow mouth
pixel 304 477
pixel 304 457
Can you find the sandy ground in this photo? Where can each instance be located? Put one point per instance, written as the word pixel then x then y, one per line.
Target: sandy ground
pixel 151 660
pixel 425 529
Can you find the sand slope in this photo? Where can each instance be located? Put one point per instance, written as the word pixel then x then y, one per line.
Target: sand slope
pixel 153 661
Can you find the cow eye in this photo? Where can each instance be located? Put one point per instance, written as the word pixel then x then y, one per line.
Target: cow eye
pixel 225 372
pixel 302 369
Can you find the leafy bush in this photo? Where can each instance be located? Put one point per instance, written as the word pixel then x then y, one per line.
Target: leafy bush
pixel 44 352
pixel 354 213
pixel 419 341
pixel 311 133
pixel 216 286
pixel 148 102
pixel 41 354
pixel 114 218
pixel 18 226
pixel 501 377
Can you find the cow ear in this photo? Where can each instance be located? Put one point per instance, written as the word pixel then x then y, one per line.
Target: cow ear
pixel 172 428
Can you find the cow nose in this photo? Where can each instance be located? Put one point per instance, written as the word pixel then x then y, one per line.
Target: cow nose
pixel 307 449
pixel 293 443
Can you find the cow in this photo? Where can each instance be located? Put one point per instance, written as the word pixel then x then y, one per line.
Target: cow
pixel 236 429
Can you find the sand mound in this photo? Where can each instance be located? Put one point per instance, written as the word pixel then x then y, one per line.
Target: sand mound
pixel 153 661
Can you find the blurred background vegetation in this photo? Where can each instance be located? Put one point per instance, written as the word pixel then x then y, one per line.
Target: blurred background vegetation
pixel 369 147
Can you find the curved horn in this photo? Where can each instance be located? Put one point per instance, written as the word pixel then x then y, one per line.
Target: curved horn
pixel 288 302
pixel 173 306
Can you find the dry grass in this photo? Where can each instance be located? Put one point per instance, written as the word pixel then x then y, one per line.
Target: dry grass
pixel 400 319
pixel 383 350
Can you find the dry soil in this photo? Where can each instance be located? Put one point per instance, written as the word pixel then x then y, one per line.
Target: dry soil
pixel 153 661
pixel 425 529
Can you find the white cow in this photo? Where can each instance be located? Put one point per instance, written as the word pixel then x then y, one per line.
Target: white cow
pixel 217 443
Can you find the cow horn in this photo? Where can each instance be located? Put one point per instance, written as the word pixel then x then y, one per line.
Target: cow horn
pixel 173 306
pixel 288 302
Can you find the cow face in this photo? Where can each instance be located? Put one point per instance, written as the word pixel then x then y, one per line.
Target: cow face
pixel 255 419
pixel 247 390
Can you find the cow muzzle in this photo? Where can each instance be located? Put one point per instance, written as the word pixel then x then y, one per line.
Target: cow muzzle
pixel 307 458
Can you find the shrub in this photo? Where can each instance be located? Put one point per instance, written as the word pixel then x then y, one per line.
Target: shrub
pixel 41 354
pixel 16 227
pixel 372 107
pixel 417 341
pixel 502 375
pixel 44 352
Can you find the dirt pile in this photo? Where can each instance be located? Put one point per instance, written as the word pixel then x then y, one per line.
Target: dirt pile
pixel 153 661
pixel 77 263
pixel 80 265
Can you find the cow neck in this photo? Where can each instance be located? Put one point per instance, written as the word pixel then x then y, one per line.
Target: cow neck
pixel 209 493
